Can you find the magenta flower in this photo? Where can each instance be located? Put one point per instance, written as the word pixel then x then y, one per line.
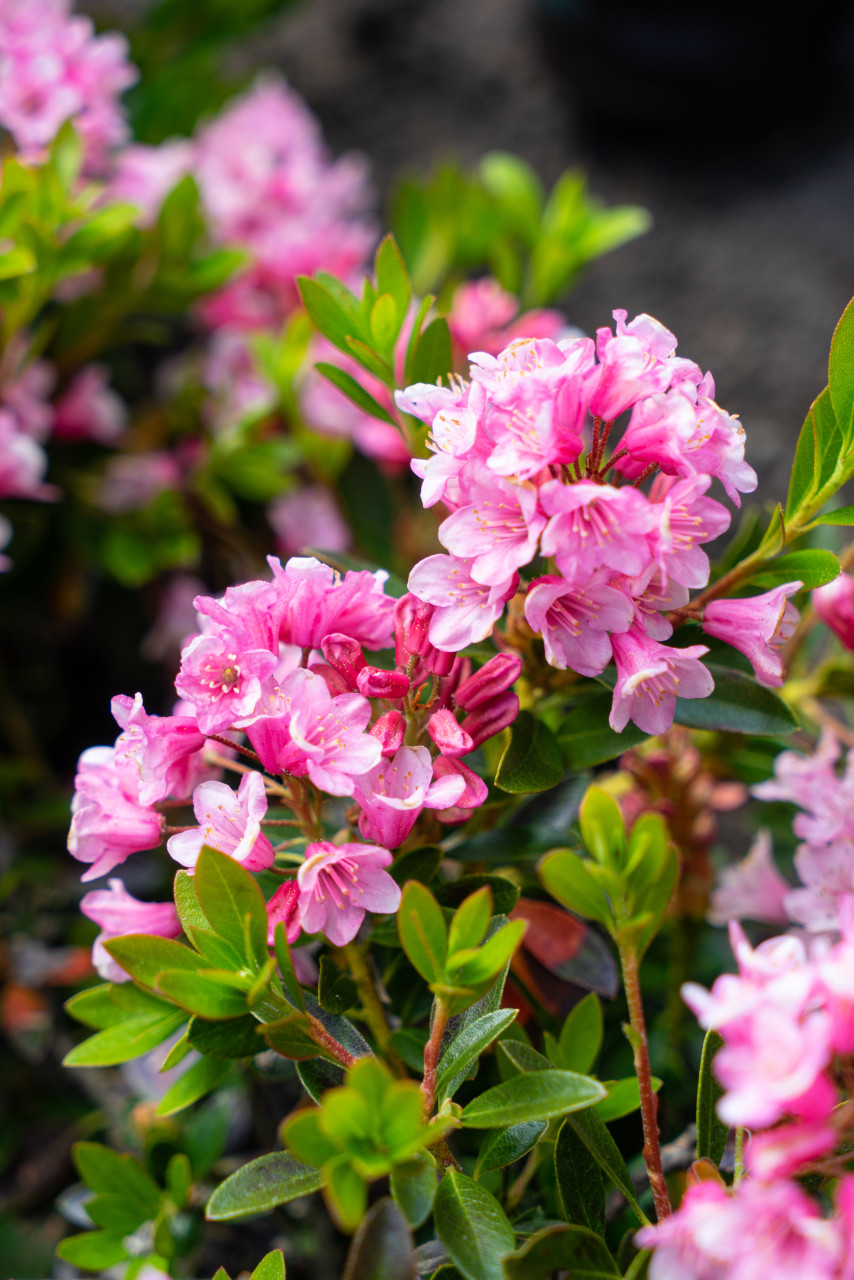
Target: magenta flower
pixel 574 621
pixel 339 883
pixel 107 824
pixel 594 525
pixel 758 626
pixel 638 361
pixel 827 877
pixel 89 410
pixel 23 463
pixel 307 731
pixel 465 610
pixel 752 889
pixel 230 822
pixel 498 531
pixel 283 908
pixel 118 913
pixel 393 793
pixel 318 601
pixel 495 677
pixel 649 678
pixel 680 519
pixel 483 317
pixel 834 604
pixel 222 681
pixel 157 756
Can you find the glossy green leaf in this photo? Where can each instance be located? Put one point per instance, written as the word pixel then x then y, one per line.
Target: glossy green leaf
pixel 737 705
pixel 417 864
pixel 327 314
pixel 218 953
pixel 566 877
pixel 261 1185
pixel 473 1227
pixel 290 1036
pixel 813 568
pixel 581 1035
pixel 391 274
pixel 93 1250
pixel 187 903
pixel 842 515
pixel 572 1249
pixel 586 738
pixel 354 391
pixel 623 1098
pixel 841 372
pixel 538 1095
pixel 336 990
pixel 581 1192
pixel 144 956
pixel 602 827
pixel 202 994
pixel 286 968
pixel 468 1046
pixel 639 1266
pixel 382 1248
pixel 345 1193
pixel 385 324
pixel 591 1129
pixel 422 930
pixel 270 1268
pixel 532 760
pixel 519 1057
pixel 230 898
pixel 712 1133
pixel 505 894
pixel 105 1170
pixel 819 426
pixel 432 358
pixel 501 1147
pixel 95 1007
pixel 200 1079
pixel 470 920
pixel 413 1186
pixel 129 1039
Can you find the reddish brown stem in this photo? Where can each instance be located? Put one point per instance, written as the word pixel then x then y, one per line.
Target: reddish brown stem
pixel 644 475
pixel 432 1051
pixel 235 746
pixel 648 1100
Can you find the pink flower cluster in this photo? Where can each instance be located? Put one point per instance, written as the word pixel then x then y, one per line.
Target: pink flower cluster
pixel 54 68
pixel 507 462
pixel 785 1017
pixel 26 419
pixel 282 662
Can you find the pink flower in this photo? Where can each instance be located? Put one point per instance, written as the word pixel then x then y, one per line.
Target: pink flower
pixel 484 317
pixel 283 908
pixel 107 823
pixel 827 876
pixel 157 756
pixel 639 361
pixel 309 517
pixel 758 626
pixel 22 464
pixel 752 889
pixel 339 883
pixel 465 610
pixel 498 531
pixel 680 519
pixel 574 621
pixel 784 1150
pixel 118 913
pixel 144 175
pixel 394 792
pixel 221 680
pixel 133 480
pixel 89 410
pixel 317 600
pixel 494 678
pixel 592 526
pixel 307 731
pixel 230 822
pixel 834 604
pixel 649 677
pixel 811 782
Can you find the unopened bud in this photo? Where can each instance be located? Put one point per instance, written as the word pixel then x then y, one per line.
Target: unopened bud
pixel 447 734
pixel 411 626
pixel 283 908
pixel 491 717
pixel 440 663
pixel 374 682
pixel 493 678
pixel 345 655
pixel 389 732
pixel 476 789
pixel 335 683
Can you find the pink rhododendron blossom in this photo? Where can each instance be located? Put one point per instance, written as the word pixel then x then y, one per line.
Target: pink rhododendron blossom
pixel 574 620
pixel 449 737
pixel 758 626
pixel 782 1151
pixel 484 317
pixel 339 883
pixel 318 601
pixel 393 793
pixel 680 519
pixel 107 823
pixel 752 889
pixel 498 531
pixel 592 526
pixel 638 361
pixel 119 913
pixel 221 680
pixel 229 821
pixel 22 463
pixel 488 719
pixel 495 677
pixel 307 731
pixel 834 604
pixel 309 517
pixel 465 610
pixel 89 410
pixel 157 756
pixel 649 677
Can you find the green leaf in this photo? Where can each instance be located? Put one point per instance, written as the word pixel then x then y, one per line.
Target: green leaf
pixel 385 324
pixel 261 1185
pixel 581 1035
pixel 470 921
pixel 270 1268
pixel 581 1193
pixel 16 262
pixel 737 705
pixel 94 1250
pixel 354 391
pixel 842 515
pixel 392 276
pixel 382 1248
pixel 473 1227
pixel 230 898
pixel 144 956
pixel 345 1193
pixel 592 1131
pixel 505 895
pixel 814 460
pixel 602 827
pixel 521 1057
pixel 813 568
pixel 202 994
pixel 420 317
pixel 489 958
pixel 218 953
pixel 113 1212
pixel 129 1039
pixel 639 1266
pixel 586 738
pixel 422 930
pixel 95 1007
pixel 417 864
pixel 567 879
pixel 291 1037
pixel 539 1095
pixel 327 314
pixel 432 358
pixel 468 1046
pixel 712 1133
pixel 187 903
pixel 623 1098
pixel 532 759
pixel 515 187
pixel 502 1146
pixel 105 1170
pixel 371 360
pixel 413 1186
pixel 572 1249
pixel 200 1079
pixel 841 372
pixel 336 990
pixel 286 968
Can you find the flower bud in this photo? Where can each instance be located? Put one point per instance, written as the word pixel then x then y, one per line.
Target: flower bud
pixel 345 655
pixel 283 906
pixel 335 683
pixel 447 734
pixel 491 718
pixel 440 663
pixel 389 731
pixel 411 626
pixel 374 682
pixel 834 604
pixel 493 678
pixel 476 789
